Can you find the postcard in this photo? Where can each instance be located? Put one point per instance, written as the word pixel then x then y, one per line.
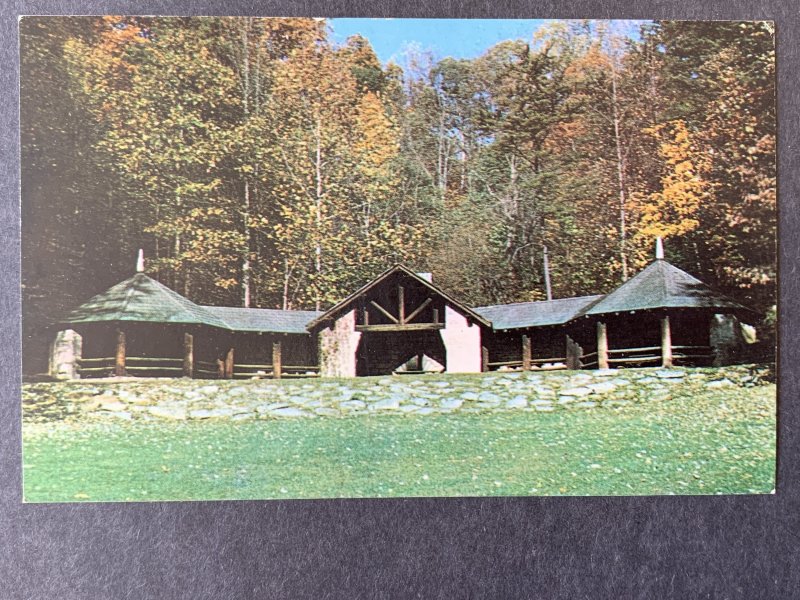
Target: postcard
pixel 283 258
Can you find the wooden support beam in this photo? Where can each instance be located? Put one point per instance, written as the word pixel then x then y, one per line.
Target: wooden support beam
pixel 526 353
pixel 366 317
pixel 484 359
pixel 119 358
pixel 418 310
pixel 188 355
pixel 436 315
pixel 602 346
pixel 229 364
pixel 398 327
pixel 385 312
pixel 666 343
pixel 276 360
pixel 401 304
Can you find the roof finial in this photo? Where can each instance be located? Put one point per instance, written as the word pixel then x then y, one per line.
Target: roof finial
pixel 659 248
pixel 140 262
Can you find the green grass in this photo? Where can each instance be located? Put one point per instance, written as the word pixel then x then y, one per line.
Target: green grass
pixel 716 442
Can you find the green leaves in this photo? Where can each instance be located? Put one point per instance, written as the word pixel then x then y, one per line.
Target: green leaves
pixel 318 166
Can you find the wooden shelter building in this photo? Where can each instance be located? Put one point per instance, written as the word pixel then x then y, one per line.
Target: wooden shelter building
pixel 400 322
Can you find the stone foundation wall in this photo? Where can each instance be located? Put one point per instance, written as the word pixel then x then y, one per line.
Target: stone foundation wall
pixel 183 399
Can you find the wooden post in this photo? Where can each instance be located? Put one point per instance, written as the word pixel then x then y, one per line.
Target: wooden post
pixel 276 359
pixel 401 304
pixel 526 353
pixel 119 361
pixel 229 364
pixel 484 359
pixel 188 355
pixel 366 317
pixel 436 315
pixel 666 343
pixel 602 346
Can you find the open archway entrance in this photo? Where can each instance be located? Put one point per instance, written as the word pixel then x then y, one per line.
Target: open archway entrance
pixel 384 353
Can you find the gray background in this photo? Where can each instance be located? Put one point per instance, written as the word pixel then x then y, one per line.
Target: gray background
pixel 660 547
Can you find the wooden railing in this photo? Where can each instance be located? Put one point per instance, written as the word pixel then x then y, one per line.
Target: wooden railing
pixel 206 370
pixel 134 365
pixel 589 360
pixel 557 362
pixel 651 355
pixel 621 357
pixel 249 371
pixel 634 356
pixel 143 366
pixel 96 367
pixel 693 355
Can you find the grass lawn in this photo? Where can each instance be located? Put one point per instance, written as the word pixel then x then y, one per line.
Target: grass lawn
pixel 715 442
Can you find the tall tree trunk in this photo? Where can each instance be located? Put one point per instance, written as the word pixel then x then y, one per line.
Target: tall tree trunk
pixel 176 248
pixel 547 287
pixel 318 216
pixel 287 273
pixel 246 266
pixel 246 275
pixel 623 227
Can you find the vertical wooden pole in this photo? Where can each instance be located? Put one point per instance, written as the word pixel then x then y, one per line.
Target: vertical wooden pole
pixel 366 317
pixel 277 368
pixel 526 353
pixel 401 304
pixel 602 346
pixel 484 359
pixel 188 355
pixel 666 343
pixel 229 364
pixel 436 315
pixel 119 360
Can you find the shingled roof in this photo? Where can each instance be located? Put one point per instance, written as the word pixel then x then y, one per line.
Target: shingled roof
pixel 535 314
pixel 661 285
pixel 143 299
pixel 140 298
pixel 264 319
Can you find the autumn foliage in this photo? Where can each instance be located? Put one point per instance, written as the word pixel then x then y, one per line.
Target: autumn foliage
pixel 260 164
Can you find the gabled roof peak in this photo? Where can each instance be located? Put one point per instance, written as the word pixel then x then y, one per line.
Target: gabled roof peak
pixel 398 268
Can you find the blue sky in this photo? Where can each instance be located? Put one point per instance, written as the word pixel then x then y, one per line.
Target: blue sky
pixel 458 38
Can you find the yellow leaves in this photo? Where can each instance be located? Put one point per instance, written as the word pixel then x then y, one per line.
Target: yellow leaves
pixel 674 210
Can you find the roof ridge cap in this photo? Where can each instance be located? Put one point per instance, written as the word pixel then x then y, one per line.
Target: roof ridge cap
pixel 540 301
pixel 131 290
pixel 171 295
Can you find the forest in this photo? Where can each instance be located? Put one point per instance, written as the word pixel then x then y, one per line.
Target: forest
pixel 259 163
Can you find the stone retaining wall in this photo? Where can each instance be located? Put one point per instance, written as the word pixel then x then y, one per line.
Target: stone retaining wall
pixel 185 399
